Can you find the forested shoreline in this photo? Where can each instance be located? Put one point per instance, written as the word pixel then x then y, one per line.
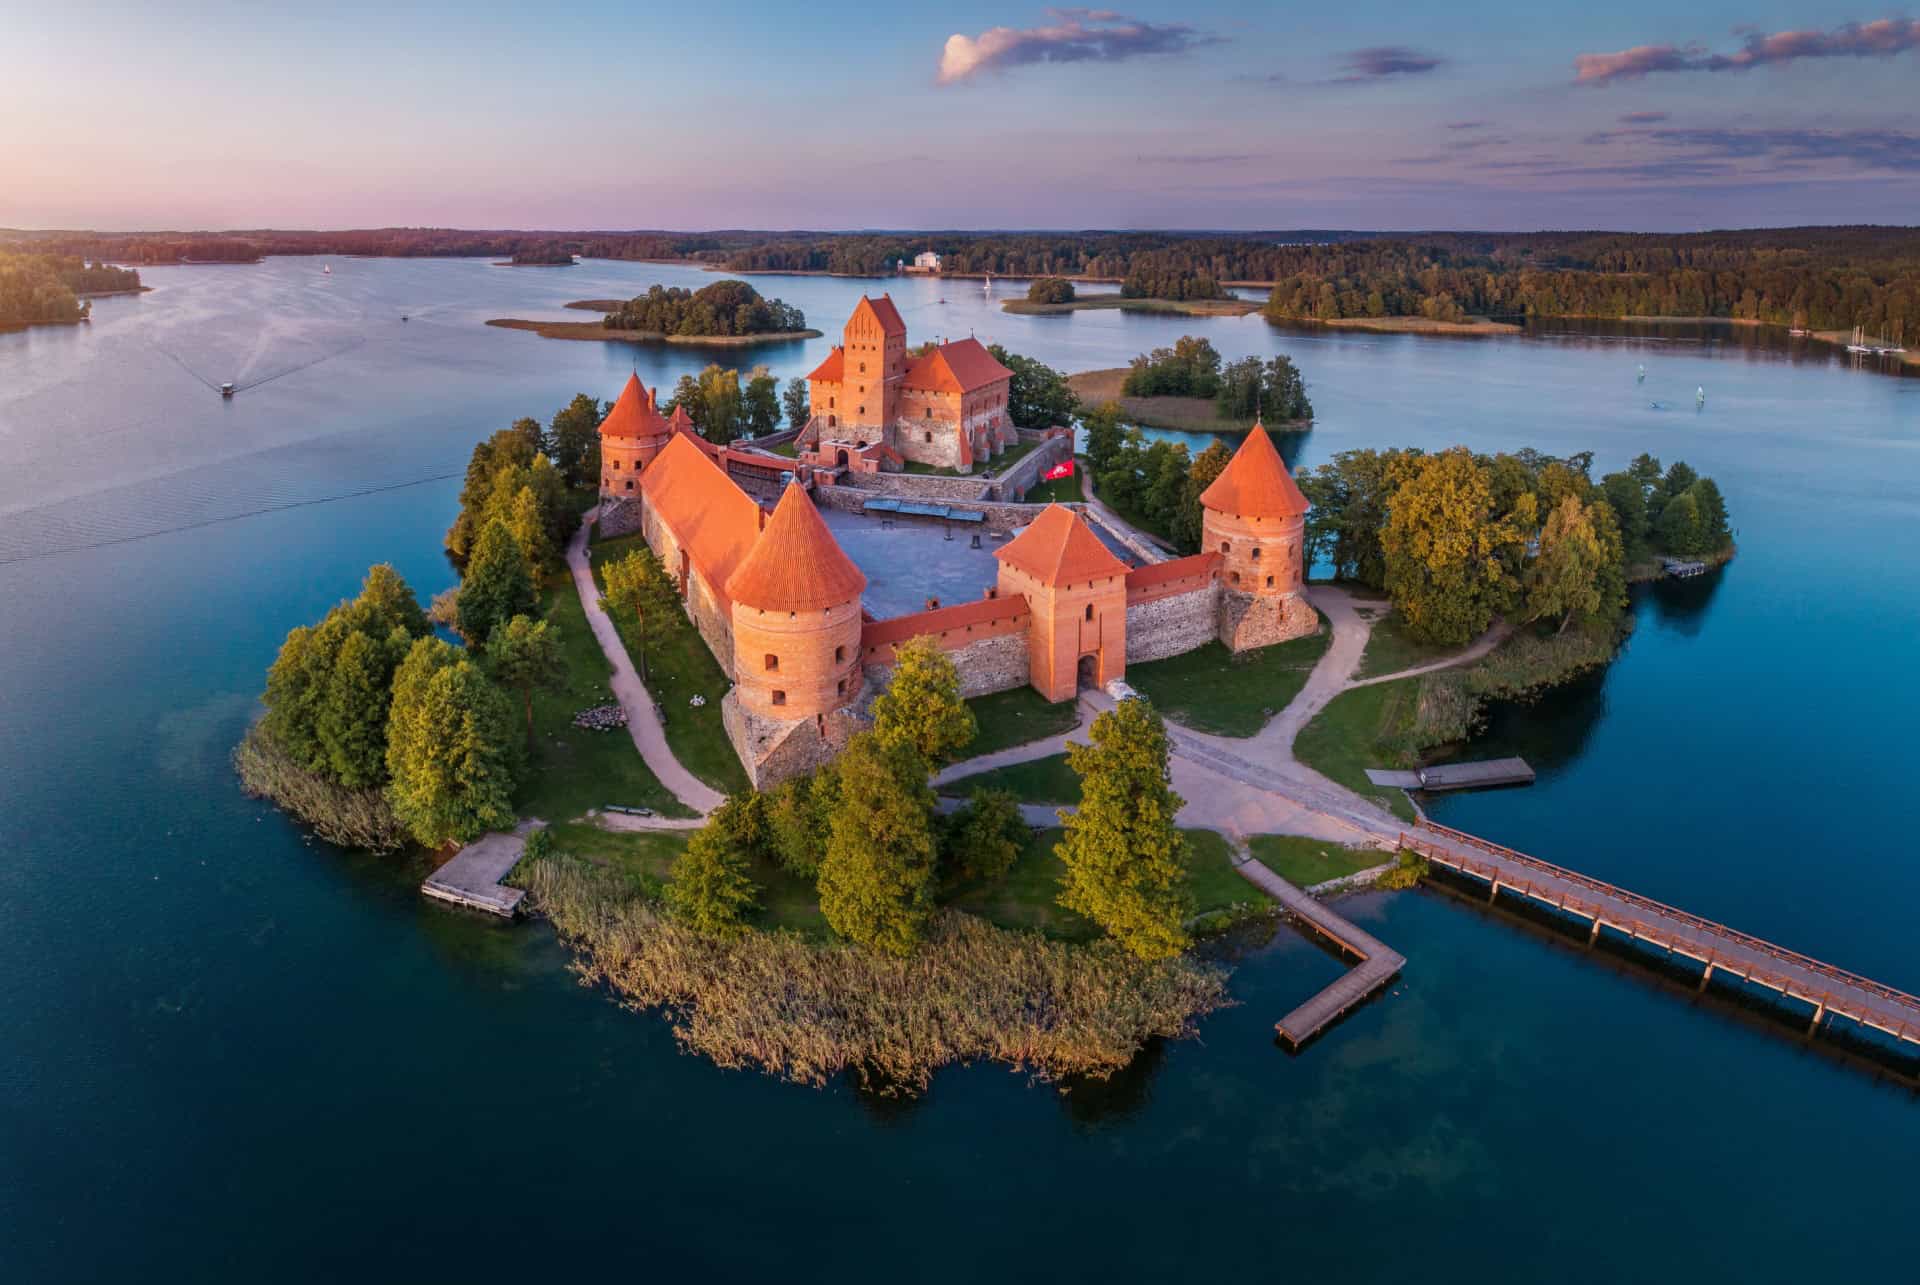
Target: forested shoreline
pixel 38 289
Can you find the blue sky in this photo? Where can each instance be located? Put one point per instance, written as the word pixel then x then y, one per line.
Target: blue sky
pixel 1192 114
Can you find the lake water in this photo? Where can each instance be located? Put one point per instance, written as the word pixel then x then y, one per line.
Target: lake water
pixel 231 1054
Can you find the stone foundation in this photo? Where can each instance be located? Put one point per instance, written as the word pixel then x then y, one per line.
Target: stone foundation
pixel 1249 620
pixel 776 750
pixel 619 517
pixel 990 665
pixel 1167 626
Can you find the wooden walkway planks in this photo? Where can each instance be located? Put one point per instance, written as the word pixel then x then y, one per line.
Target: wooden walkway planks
pixel 1719 948
pixel 471 877
pixel 1378 962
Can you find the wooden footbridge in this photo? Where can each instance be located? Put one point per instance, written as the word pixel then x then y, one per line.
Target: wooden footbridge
pixel 1721 949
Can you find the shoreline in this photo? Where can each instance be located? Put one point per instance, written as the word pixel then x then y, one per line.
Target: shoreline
pixel 592 330
pixel 1176 414
pixel 1406 325
pixel 1184 307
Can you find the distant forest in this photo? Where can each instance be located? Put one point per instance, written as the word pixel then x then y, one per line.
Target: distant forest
pixel 39 288
pixel 723 308
pixel 1824 278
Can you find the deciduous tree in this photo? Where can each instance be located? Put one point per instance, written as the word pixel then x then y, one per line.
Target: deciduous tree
pixel 573 439
pixel 638 586
pixel 450 747
pixel 710 889
pixel 921 707
pixel 498 585
pixel 982 839
pixel 876 878
pixel 793 401
pixel 1449 555
pixel 524 654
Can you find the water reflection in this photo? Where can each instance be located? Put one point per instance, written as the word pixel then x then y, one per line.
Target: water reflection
pixel 1680 603
pixel 1091 1102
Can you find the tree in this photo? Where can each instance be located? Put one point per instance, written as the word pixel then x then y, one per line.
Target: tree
pixel 1349 495
pixel 710 890
pixel 1188 517
pixel 762 403
pixel 1038 395
pixel 921 707
pixel 498 585
pixel 450 747
pixel 1448 553
pixel 722 411
pixel 1050 290
pixel 1191 368
pixel 1626 495
pixel 799 819
pixel 1126 863
pixel 574 440
pixel 1102 428
pixel 352 723
pixel 508 448
pixel 638 585
pixel 1681 530
pixel 876 877
pixel 529 527
pixel 1715 533
pixel 981 841
pixel 1563 579
pixel 793 401
pixel 525 654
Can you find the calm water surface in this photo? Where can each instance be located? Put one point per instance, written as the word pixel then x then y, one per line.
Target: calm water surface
pixel 231 1054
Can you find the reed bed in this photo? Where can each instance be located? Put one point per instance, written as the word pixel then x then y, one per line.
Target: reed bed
pixel 350 818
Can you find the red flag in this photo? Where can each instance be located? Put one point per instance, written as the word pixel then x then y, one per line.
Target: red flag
pixel 1063 469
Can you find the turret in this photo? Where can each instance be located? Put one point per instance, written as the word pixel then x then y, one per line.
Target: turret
pixel 630 437
pixel 796 617
pixel 1077 593
pixel 874 360
pixel 1254 517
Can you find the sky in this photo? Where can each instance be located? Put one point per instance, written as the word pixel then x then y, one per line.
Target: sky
pixel 834 114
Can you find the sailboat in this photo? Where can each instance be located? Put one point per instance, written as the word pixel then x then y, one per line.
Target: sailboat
pixel 1699 397
pixel 327 268
pixel 988 289
pixel 1643 374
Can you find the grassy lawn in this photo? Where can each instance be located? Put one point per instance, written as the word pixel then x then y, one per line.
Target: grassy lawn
pixel 1024 898
pixel 1390 649
pixel 1210 689
pixel 573 769
pixel 1182 414
pixel 1016 717
pixel 1062 490
pixel 1306 862
pixel 1043 780
pixel 679 666
pixel 789 449
pixel 1011 456
pixel 1361 728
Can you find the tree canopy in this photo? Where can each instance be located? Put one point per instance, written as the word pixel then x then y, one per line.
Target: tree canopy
pixel 726 307
pixel 877 873
pixel 498 585
pixel 921 708
pixel 1050 290
pixel 451 749
pixel 1037 395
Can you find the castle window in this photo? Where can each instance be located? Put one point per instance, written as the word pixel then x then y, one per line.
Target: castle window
pixel 629 484
pixel 863 367
pixel 928 436
pixel 840 688
pixel 929 411
pixel 1089 611
pixel 839 654
pixel 616 463
pixel 1225 546
pixel 1234 578
pixel 773 663
pixel 1256 553
pixel 863 410
pixel 1269 582
pixel 779 698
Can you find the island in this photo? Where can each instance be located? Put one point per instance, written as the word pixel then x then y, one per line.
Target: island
pixel 726 313
pixel 54 290
pixel 1187 388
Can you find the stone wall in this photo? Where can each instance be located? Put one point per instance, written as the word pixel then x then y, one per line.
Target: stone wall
pixel 1166 624
pixel 619 517
pixel 1026 474
pixel 1259 620
pixel 920 486
pixel 1001 518
pixel 986 665
pixel 775 750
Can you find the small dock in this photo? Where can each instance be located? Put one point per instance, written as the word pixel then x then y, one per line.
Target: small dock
pixel 1826 989
pixel 1456 776
pixel 471 877
pixel 1683 568
pixel 1378 963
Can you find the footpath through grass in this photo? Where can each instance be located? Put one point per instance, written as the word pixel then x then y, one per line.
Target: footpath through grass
pixel 679 667
pixel 1360 728
pixel 572 769
pixel 1390 648
pixel 1211 689
pixel 1015 717
pixel 1305 862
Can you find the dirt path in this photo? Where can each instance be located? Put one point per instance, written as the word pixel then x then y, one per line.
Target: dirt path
pixel 642 723
pixel 1479 647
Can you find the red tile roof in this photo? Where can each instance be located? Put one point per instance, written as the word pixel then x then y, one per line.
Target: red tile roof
pixel 714 521
pixel 883 312
pixel 980 611
pixel 1058 547
pixel 634 413
pixel 957 367
pixel 1255 482
pixel 834 368
pixel 1157 573
pixel 796 565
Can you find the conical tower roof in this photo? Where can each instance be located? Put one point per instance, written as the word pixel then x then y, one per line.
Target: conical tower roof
pixel 1058 547
pixel 796 565
pixel 1255 482
pixel 634 413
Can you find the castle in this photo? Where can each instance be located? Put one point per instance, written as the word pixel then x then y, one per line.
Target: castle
pixel 945 406
pixel 779 602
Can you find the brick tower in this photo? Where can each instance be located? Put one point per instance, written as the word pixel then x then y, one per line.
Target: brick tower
pixel 796 644
pixel 874 353
pixel 1255 519
pixel 630 436
pixel 1077 592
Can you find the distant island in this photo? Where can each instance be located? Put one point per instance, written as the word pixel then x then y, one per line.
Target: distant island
pixel 1188 389
pixel 548 257
pixel 725 313
pixel 52 290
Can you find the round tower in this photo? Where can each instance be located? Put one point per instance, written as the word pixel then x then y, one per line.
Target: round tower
pixel 796 617
pixel 630 436
pixel 1254 518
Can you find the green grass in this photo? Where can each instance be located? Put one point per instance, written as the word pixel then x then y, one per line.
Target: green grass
pixel 789 449
pixel 572 769
pixel 1211 689
pixel 1360 728
pixel 1390 648
pixel 1062 490
pixel 1015 717
pixel 1306 862
pixel 1042 780
pixel 679 666
pixel 647 857
pixel 1024 897
pixel 1011 456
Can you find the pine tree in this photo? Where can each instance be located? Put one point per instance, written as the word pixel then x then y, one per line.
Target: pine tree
pixel 574 437
pixel 352 725
pixel 450 747
pixel 921 708
pixel 876 879
pixel 524 654
pixel 710 890
pixel 799 817
pixel 1715 534
pixel 982 840
pixel 498 584
pixel 1126 862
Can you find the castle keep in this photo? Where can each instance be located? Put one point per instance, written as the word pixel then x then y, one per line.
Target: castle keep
pixel 778 601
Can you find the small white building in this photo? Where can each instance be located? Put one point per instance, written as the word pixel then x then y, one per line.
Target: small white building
pixel 926 261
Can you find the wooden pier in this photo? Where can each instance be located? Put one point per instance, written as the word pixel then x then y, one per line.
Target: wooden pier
pixel 1827 989
pixel 1378 962
pixel 1456 776
pixel 471 877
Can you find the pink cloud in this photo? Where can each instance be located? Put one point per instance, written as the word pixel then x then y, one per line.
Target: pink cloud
pixel 1883 38
pixel 1076 35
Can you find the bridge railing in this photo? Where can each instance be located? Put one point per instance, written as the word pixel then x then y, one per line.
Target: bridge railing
pixel 1673 913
